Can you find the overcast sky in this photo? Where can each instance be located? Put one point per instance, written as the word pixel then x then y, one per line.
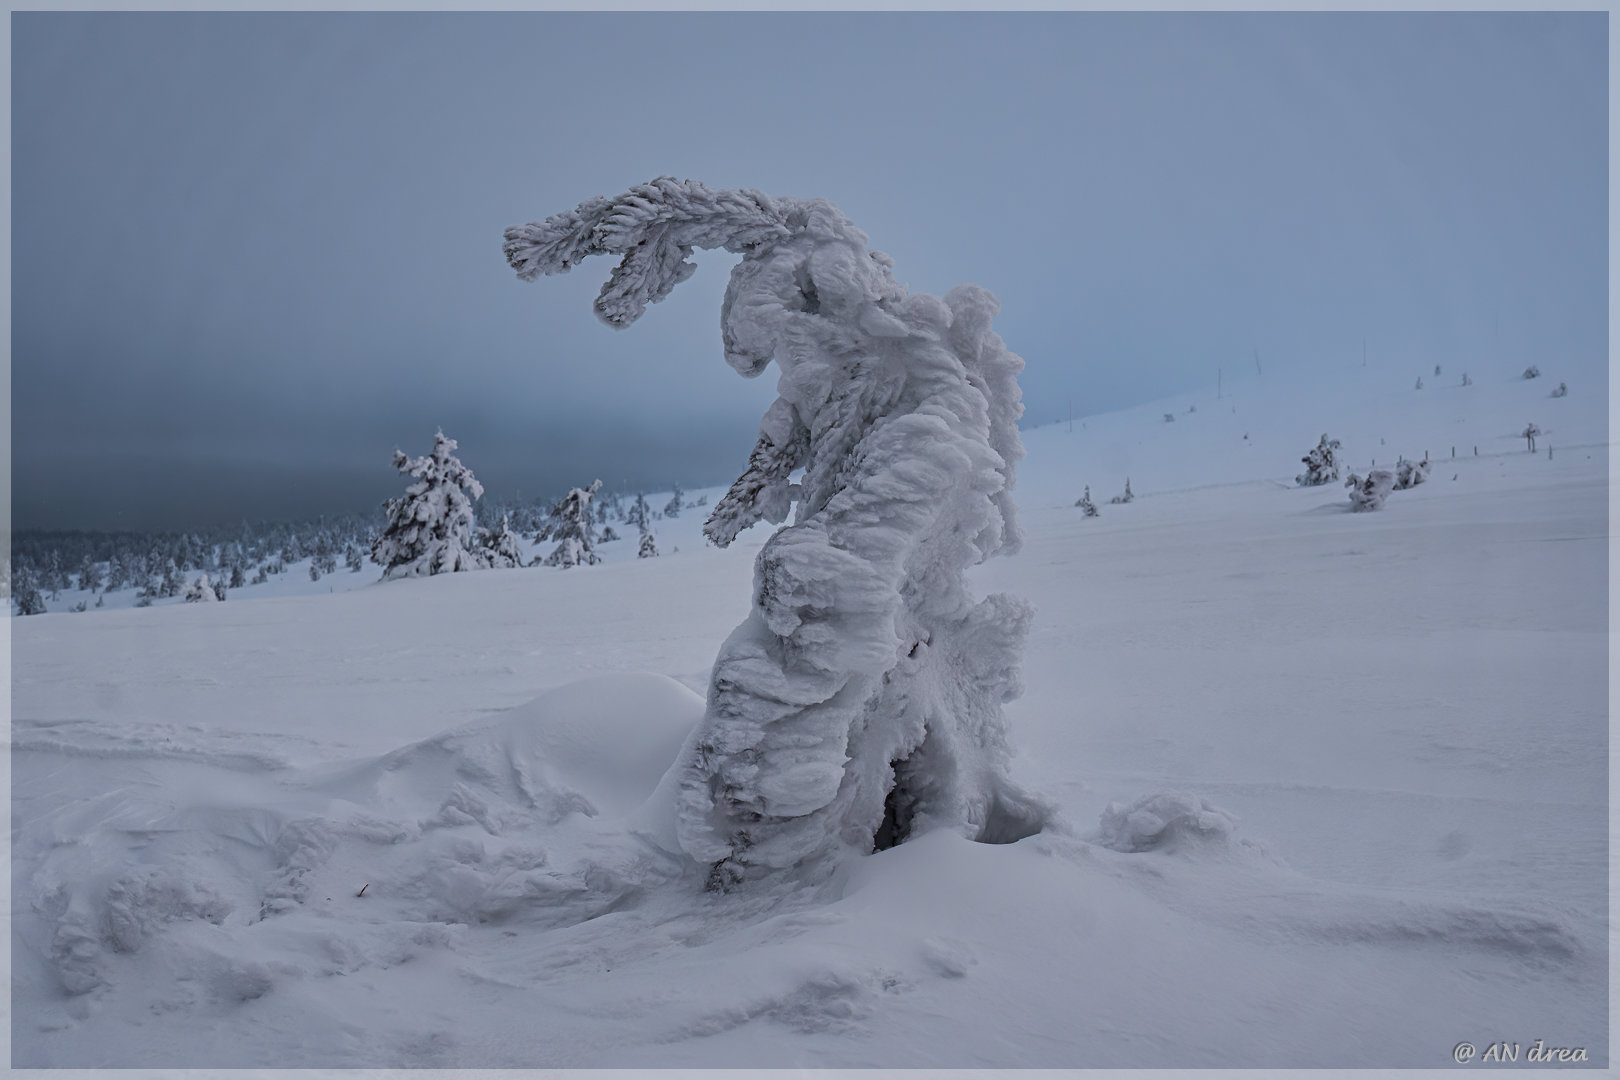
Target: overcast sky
pixel 252 253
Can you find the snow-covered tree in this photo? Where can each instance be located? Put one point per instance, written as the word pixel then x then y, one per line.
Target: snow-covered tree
pixel 219 590
pixel 89 574
pixel 201 592
pixel 649 546
pixel 672 509
pixel 1084 502
pixel 501 549
pixel 1529 435
pixel 640 515
pixel 860 702
pixel 607 536
pixel 429 528
pixel 1561 391
pixel 1409 474
pixel 25 592
pixel 570 526
pixel 1466 381
pixel 1321 464
pixel 1126 497
pixel 1420 382
pixel 1532 372
pixel 1370 493
pixel 1169 418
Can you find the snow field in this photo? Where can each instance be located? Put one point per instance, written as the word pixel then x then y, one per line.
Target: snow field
pixel 1332 790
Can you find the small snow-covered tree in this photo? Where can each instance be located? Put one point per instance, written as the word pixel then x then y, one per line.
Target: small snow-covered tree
pixel 1370 493
pixel 1420 382
pixel 1321 464
pixel 1532 372
pixel 501 549
pixel 570 526
pixel 608 535
pixel 89 574
pixel 1169 418
pixel 1466 381
pixel 1409 474
pixel 201 592
pixel 1126 497
pixel 640 515
pixel 649 546
pixel 1084 502
pixel 25 592
pixel 672 509
pixel 429 528
pixel 1529 435
pixel 219 591
pixel 861 700
pixel 1561 391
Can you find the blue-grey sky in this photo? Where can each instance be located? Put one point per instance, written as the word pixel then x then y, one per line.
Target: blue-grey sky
pixel 252 253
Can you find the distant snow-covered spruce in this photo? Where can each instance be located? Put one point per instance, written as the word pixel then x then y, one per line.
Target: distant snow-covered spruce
pixel 1084 502
pixel 1532 372
pixel 649 546
pixel 429 528
pixel 1370 492
pixel 1321 464
pixel 499 547
pixel 860 702
pixel 570 526
pixel 1120 500
pixel 201 592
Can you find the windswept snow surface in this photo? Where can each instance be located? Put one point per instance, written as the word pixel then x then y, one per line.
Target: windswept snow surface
pixel 1332 790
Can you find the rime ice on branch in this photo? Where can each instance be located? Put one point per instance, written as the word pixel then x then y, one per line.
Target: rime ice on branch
pixel 861 700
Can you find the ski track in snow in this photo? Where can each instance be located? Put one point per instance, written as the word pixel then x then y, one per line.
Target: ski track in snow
pixel 1333 791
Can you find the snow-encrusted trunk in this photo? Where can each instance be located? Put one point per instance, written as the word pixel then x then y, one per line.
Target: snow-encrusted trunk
pixel 861 699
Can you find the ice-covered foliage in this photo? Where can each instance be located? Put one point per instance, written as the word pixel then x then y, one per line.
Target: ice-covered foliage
pixel 1532 372
pixel 1321 464
pixel 1409 474
pixel 1084 502
pixel 861 699
pixel 649 546
pixel 1370 492
pixel 429 528
pixel 500 548
pixel 672 509
pixel 570 526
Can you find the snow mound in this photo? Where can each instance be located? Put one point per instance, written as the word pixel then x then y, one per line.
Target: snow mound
pixel 1168 821
pixel 517 819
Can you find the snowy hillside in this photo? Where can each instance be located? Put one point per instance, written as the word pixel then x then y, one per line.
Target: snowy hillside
pixel 1332 787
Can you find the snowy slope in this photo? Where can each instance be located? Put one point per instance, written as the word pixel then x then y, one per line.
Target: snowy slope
pixel 422 824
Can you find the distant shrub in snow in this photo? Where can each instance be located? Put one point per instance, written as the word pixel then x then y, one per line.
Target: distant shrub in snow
pixel 1466 381
pixel 1532 372
pixel 429 528
pixel 1370 492
pixel 1321 464
pixel 649 546
pixel 861 699
pixel 1121 499
pixel 672 509
pixel 1169 418
pixel 201 592
pixel 1561 391
pixel 1084 502
pixel 1409 474
pixel 1166 821
pixel 1420 382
